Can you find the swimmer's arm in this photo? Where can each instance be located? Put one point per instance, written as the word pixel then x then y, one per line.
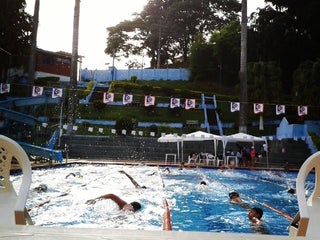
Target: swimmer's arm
pixel 111 196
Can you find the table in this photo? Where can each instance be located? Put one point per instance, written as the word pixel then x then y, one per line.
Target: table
pixel 173 155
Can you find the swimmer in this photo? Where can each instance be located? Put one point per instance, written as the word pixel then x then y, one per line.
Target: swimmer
pixel 41 188
pixel 292 191
pixel 77 174
pixel 203 186
pixel 255 215
pixel 123 205
pixel 137 185
pixel 167 170
pixel 235 198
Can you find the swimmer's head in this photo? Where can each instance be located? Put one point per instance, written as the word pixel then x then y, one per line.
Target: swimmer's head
pixel 233 195
pixel 255 212
pixel 136 206
pixel 291 191
pixel 203 183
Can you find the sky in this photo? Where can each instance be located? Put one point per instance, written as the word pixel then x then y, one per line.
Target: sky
pixel 56 23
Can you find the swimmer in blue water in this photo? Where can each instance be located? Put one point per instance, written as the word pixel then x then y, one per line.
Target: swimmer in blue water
pixel 235 198
pixel 123 205
pixel 41 188
pixel 255 214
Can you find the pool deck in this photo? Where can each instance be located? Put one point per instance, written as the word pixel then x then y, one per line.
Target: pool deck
pixel 45 233
pixel 36 232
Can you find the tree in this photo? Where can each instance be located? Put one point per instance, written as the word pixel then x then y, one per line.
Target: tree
pixel 243 70
pixel 15 31
pixel 166 28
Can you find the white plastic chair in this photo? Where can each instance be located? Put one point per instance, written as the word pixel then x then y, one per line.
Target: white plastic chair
pixel 12 206
pixel 308 218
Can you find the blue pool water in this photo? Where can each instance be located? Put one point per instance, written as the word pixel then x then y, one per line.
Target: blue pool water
pixel 192 207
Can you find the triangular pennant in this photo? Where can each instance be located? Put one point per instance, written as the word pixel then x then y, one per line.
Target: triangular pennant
pixel 108 97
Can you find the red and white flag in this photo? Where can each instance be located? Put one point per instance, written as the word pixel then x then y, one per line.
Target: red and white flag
pixel 108 97
pixel 234 106
pixel 258 108
pixel 149 100
pixel 302 110
pixel 127 99
pixel 190 103
pixel 280 109
pixel 174 102
pixel 37 91
pixel 5 88
pixel 56 92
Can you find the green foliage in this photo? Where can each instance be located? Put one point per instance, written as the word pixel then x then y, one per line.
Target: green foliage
pixel 154 128
pixel 306 85
pixel 98 105
pixel 147 89
pixel 315 139
pixel 168 91
pixel 45 81
pixel 264 82
pixel 133 78
pixel 124 123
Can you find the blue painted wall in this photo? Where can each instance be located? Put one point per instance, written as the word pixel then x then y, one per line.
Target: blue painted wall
pixel 142 74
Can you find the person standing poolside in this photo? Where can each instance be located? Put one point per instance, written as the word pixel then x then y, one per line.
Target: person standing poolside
pixel 123 205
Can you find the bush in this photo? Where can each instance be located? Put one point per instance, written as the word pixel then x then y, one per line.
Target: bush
pixel 124 123
pixel 168 91
pixel 154 128
pixel 98 105
pixel 134 78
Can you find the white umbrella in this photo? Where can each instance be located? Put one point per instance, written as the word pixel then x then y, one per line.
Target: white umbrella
pixel 171 138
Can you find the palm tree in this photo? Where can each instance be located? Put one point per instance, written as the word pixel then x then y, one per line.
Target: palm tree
pixel 243 70
pixel 74 63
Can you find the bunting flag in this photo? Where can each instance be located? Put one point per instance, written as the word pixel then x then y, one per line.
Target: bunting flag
pixel 174 102
pixel 280 109
pixel 302 110
pixel 56 92
pixel 108 97
pixel 5 88
pixel 234 106
pixel 127 99
pixel 258 108
pixel 37 91
pixel 190 103
pixel 149 100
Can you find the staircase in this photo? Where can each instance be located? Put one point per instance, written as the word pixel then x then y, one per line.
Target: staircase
pixel 210 103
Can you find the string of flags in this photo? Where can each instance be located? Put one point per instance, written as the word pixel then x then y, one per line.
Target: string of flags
pixel 149 100
pixel 259 108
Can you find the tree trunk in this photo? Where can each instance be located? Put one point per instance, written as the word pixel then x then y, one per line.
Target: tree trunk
pixel 72 101
pixel 243 70
pixel 33 49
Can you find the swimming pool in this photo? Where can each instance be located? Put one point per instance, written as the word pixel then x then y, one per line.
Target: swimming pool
pixel 192 208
